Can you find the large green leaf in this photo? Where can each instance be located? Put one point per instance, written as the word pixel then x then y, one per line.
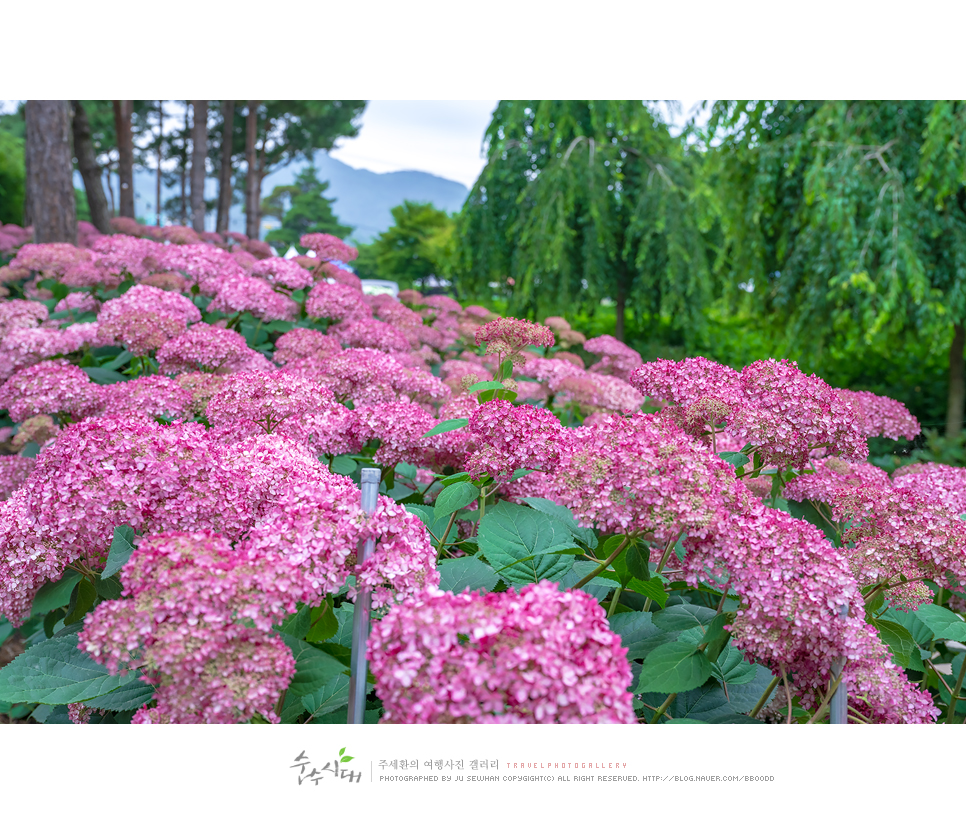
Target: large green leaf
pixel 103 376
pixel 333 695
pixel 313 667
pixel 54 594
pixel 455 497
pixel 57 671
pixel 732 668
pixel 129 697
pixel 700 704
pixel 122 546
pixel 920 632
pixel 674 667
pixel 942 622
pixel 683 617
pixel 447 426
pixel 521 544
pixel 638 633
pixel 565 516
pixel 455 575
pixel 898 640
pixel 744 696
pixel 435 526
pixel 598 587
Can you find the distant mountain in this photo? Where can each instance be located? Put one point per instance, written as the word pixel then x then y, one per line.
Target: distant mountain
pixel 363 198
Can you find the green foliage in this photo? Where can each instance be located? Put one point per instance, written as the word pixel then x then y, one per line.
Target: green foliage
pixel 12 175
pixel 522 544
pixel 302 208
pixel 586 200
pixel 419 244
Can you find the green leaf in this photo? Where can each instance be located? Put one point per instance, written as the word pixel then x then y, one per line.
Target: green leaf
pixel 447 426
pixel 435 526
pixel 292 709
pixel 637 559
pixel 103 376
pixel 82 600
pixel 455 575
pixel 122 546
pixel 54 594
pixel 698 705
pixel 638 634
pixel 325 625
pixel 920 632
pixel 566 517
pixel 674 667
pixel 109 588
pixel 343 465
pixel 520 544
pixel 333 695
pixel 128 697
pixel 298 624
pixel 407 471
pixel 455 497
pixel 484 385
pixel 732 668
pixel 121 360
pixel 57 671
pixel 735 459
pixel 942 622
pixel 899 641
pixel 520 473
pixel 455 477
pixel 683 617
pixel 745 695
pixel 313 667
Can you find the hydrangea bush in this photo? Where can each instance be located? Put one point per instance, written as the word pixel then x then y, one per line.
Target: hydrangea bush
pixel 563 533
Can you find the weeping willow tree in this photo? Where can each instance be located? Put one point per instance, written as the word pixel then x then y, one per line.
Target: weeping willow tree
pixel 582 201
pixel 844 222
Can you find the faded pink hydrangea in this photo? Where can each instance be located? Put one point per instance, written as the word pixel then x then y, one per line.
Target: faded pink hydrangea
pixel 328 247
pixel 241 293
pixel 54 387
pixel 508 336
pixel 27 347
pixel 14 470
pixel 832 477
pixel 78 303
pixel 512 437
pixel 204 348
pixel 145 318
pixel 304 345
pixel 50 258
pixel 202 386
pixel 877 415
pixel 642 474
pixel 153 396
pixel 250 403
pixel 318 525
pixel 366 333
pixel 615 357
pixel 400 427
pixel 81 712
pixel 38 430
pixel 283 272
pixel 185 597
pixel 538 656
pixel 368 377
pixel 21 314
pixel 940 483
pixel 335 302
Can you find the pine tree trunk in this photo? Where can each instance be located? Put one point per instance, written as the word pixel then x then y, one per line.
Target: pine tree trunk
pixel 90 170
pixel 157 186
pixel 251 175
pixel 125 149
pixel 199 154
pixel 50 205
pixel 110 188
pixel 957 382
pixel 224 177
pixel 183 219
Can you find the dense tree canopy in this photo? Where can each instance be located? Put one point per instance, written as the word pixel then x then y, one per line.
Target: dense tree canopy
pixel 419 244
pixel 845 221
pixel 586 200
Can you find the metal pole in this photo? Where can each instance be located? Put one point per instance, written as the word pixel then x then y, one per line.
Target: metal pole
pixel 839 705
pixel 358 664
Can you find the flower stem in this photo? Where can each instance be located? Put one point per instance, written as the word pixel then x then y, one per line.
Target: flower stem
pixel 442 541
pixel 660 567
pixel 663 708
pixel 613 602
pixel 603 566
pixel 764 698
pixel 825 701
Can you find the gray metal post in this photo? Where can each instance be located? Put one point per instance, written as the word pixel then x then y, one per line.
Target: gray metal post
pixel 358 665
pixel 839 705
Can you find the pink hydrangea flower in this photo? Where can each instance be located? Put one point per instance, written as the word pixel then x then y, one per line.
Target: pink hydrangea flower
pixel 616 358
pixel 14 470
pixel 876 415
pixel 204 348
pixel 328 247
pixel 145 318
pixel 241 293
pixel 154 396
pixel 512 437
pixel 335 302
pixel 283 272
pixel 54 387
pixel 538 656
